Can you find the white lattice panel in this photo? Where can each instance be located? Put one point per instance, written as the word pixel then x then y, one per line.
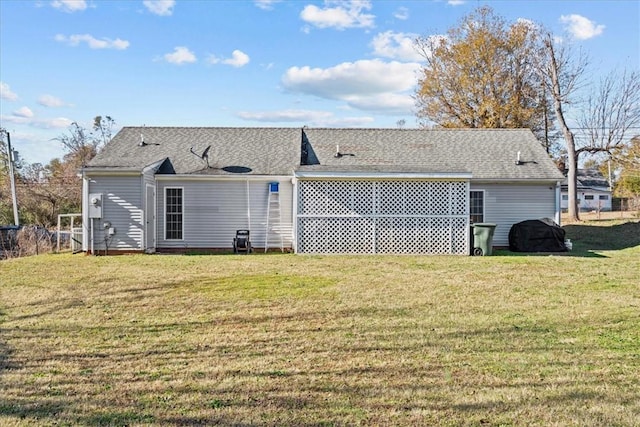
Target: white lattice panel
pixel 392 216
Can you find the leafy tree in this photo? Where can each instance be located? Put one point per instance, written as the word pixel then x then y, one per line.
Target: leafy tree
pixel 627 159
pixel 483 74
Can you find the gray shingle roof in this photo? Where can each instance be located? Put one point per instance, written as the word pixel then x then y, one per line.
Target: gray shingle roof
pixel 485 153
pixel 258 151
pixel 589 179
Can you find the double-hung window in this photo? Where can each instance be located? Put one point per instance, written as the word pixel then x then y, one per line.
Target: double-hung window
pixel 476 206
pixel 173 218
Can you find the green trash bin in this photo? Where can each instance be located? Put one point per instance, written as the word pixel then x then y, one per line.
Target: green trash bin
pixel 483 238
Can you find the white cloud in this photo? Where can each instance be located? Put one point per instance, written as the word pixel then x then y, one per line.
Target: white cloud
pixel 69 5
pixel 24 112
pixel 160 7
pixel 399 46
pixel 307 117
pixel 344 14
pixel 385 102
pixel 180 55
pixel 55 123
pixel 455 2
pixel 360 77
pixel 402 13
pixel 238 59
pixel 7 93
pixel 266 4
pixel 285 116
pixel 345 122
pixel 580 27
pixel 366 84
pixel 50 101
pixel 92 42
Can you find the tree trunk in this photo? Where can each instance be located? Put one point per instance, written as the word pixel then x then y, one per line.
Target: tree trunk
pixel 572 155
pixel 572 178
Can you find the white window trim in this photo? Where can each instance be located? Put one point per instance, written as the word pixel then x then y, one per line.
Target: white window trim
pixel 164 219
pixel 484 203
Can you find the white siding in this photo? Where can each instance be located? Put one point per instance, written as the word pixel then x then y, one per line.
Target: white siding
pixel 214 210
pixel 508 204
pixel 122 207
pixel 589 200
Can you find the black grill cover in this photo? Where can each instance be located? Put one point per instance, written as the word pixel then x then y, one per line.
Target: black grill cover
pixel 536 235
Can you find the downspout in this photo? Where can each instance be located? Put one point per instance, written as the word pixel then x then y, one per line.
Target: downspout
pixel 558 215
pixel 85 213
pixel 93 252
pixel 248 208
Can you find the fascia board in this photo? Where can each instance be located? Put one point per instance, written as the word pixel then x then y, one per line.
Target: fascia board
pixel 383 175
pixel 516 181
pixel 111 171
pixel 238 177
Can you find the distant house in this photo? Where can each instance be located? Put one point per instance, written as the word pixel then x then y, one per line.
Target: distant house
pixel 163 189
pixel 594 193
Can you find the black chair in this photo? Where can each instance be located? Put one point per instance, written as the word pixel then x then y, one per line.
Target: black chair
pixel 241 242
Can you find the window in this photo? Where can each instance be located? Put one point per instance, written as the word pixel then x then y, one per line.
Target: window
pixel 604 197
pixel 173 214
pixel 565 197
pixel 476 206
pixel 588 197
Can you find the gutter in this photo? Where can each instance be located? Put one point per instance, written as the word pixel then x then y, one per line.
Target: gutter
pixel 111 171
pixel 237 177
pixel 384 175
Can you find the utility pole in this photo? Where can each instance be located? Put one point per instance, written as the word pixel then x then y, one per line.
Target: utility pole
pixel 13 181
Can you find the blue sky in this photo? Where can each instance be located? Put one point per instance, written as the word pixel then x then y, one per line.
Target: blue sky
pixel 249 63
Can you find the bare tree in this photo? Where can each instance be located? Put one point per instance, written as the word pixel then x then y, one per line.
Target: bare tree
pixel 563 75
pixel 612 113
pixel 103 128
pixel 82 144
pixel 79 143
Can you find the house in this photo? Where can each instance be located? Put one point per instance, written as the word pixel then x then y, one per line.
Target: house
pixel 593 191
pixel 314 190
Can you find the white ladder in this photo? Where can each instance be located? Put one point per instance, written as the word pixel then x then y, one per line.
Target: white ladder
pixel 273 236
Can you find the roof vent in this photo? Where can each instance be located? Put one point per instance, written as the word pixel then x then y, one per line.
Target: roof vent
pixel 142 143
pixel 338 154
pixel 522 162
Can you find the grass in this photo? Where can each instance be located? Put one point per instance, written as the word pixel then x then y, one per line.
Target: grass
pixel 326 340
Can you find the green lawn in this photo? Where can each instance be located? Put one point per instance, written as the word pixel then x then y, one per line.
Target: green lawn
pixel 290 340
